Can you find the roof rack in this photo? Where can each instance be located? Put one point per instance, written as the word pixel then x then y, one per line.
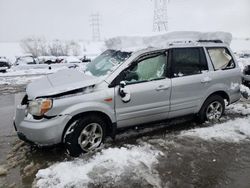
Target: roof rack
pixel 214 41
pixel 188 42
pixel 171 43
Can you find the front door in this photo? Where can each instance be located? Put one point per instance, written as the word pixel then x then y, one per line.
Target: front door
pixel 149 91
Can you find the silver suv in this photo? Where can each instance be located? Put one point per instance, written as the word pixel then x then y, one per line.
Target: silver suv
pixel 121 89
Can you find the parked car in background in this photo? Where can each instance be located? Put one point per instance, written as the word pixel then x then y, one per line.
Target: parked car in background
pixel 26 60
pixel 84 59
pixel 4 64
pixel 123 88
pixel 47 59
pixel 70 59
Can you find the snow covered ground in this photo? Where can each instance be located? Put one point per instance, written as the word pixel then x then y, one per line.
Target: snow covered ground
pixel 88 48
pixel 111 165
pixel 25 76
pixel 231 131
pixel 114 166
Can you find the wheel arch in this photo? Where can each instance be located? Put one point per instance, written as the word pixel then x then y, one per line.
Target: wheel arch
pixel 110 129
pixel 221 93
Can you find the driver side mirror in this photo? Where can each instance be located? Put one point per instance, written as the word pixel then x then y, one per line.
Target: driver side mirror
pixel 124 92
pixel 121 89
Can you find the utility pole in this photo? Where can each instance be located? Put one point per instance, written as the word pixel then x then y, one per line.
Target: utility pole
pixel 95 24
pixel 160 22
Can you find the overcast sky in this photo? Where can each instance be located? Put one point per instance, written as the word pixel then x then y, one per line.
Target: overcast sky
pixel 70 19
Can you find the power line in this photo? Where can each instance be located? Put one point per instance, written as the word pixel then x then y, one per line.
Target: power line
pixel 95 24
pixel 160 22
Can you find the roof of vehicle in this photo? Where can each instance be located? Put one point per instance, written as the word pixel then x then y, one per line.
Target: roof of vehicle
pixel 189 44
pixel 169 40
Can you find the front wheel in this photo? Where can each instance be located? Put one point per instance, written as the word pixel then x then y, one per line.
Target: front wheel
pixel 212 109
pixel 84 134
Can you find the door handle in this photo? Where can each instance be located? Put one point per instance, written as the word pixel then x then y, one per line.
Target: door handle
pixel 161 87
pixel 206 80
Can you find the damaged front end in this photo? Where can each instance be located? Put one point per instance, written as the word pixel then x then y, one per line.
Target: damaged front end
pixel 39 118
pixel 34 126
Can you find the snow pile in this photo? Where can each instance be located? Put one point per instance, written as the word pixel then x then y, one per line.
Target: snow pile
pixel 239 108
pixel 232 131
pixel 162 41
pixel 18 80
pixel 243 62
pixel 23 77
pixel 106 168
pixel 245 90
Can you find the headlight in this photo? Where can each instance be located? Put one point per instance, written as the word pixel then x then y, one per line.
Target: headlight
pixel 39 107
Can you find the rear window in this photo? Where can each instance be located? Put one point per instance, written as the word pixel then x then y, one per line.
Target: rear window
pixel 221 58
pixel 188 61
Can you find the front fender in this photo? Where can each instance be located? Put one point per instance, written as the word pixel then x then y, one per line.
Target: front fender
pixel 91 106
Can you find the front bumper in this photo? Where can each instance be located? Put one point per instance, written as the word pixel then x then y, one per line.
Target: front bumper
pixel 44 132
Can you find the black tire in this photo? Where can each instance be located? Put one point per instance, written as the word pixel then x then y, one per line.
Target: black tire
pixel 74 130
pixel 202 115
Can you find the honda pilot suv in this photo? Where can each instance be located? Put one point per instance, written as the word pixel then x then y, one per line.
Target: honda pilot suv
pixel 122 88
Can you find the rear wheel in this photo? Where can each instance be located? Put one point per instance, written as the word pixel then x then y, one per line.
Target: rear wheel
pixel 212 109
pixel 84 134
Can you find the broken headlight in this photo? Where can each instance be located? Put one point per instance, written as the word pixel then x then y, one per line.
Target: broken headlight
pixel 39 107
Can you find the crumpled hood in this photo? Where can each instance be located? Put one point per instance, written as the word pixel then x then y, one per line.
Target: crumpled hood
pixel 60 82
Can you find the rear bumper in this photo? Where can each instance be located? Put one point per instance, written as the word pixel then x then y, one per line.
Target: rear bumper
pixel 44 132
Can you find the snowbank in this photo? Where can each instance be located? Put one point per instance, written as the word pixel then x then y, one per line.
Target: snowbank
pixel 232 131
pixel 18 80
pixel 108 167
pixel 162 41
pixel 245 90
pixel 239 108
pixel 25 76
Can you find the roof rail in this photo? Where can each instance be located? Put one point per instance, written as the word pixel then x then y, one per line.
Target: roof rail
pixel 214 41
pixel 171 43
pixel 187 42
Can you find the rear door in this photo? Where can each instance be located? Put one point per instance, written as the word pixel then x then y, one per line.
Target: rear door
pixel 149 90
pixel 190 79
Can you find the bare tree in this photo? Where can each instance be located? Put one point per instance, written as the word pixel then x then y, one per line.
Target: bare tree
pixel 58 48
pixel 40 47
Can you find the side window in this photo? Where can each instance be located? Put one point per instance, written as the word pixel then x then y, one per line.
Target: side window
pixel 188 61
pixel 221 58
pixel 148 69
